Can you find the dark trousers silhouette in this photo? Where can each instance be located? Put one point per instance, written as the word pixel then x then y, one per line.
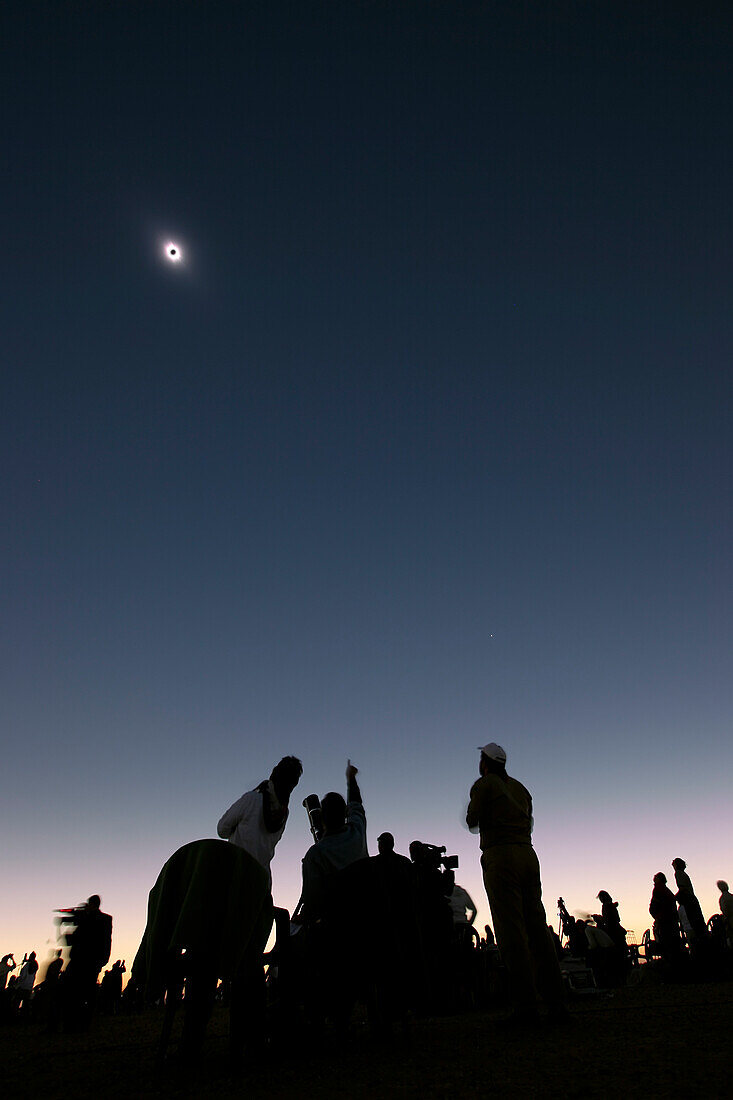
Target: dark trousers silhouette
pixel 512 880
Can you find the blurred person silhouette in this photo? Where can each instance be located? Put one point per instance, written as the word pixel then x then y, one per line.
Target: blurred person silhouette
pixel 7 965
pixel 488 940
pixel 462 906
pixel 91 943
pixel 465 979
pixel 51 990
pixel 26 980
pixel 54 968
pixel 725 903
pixel 555 941
pixel 110 993
pixel 663 910
pixel 257 820
pixel 500 808
pixel 687 900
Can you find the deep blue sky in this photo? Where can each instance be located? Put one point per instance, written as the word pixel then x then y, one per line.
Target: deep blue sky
pixel 427 442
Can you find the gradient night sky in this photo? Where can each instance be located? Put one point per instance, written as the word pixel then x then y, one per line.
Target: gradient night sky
pixel 426 444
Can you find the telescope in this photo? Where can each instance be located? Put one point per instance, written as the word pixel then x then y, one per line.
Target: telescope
pixel 312 805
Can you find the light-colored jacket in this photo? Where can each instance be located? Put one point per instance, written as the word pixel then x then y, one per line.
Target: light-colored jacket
pixel 243 824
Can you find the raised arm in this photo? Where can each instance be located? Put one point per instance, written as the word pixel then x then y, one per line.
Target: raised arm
pixel 353 794
pixel 273 810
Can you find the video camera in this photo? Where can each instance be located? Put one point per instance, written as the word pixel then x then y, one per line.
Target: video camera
pixel 432 857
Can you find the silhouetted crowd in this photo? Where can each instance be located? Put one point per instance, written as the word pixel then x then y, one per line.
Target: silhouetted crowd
pixel 393 933
pixel 68 995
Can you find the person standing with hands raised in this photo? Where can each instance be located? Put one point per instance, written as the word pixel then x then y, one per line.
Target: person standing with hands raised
pixel 343 842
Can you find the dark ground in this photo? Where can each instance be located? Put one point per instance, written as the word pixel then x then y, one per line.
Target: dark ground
pixel 646 1040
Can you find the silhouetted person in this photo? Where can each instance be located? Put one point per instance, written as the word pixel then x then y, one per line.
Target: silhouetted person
pixel 54 968
pixel 395 874
pixel 663 910
pixel 462 906
pixel 687 900
pixel 52 991
pixel 501 808
pixel 335 874
pixel 574 931
pixel 343 843
pixel 610 921
pixel 434 885
pixel 489 940
pixel 385 847
pixel 91 943
pixel 26 981
pixel 257 820
pixel 726 908
pixel 110 993
pixel 7 965
pixel 378 932
pixel 555 941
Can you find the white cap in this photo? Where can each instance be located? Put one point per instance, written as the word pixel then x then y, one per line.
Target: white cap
pixel 494 752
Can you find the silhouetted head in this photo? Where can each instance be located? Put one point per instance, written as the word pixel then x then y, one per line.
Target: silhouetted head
pixel 660 879
pixel 333 808
pixel 286 776
pixel 32 956
pixel 415 849
pixel 722 885
pixel 604 896
pixel 385 843
pixel 94 902
pixel 679 864
pixel 493 759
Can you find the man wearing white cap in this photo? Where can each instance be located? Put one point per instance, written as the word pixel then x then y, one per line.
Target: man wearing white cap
pixel 501 809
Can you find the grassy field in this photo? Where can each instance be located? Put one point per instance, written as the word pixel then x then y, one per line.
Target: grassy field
pixel 646 1040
